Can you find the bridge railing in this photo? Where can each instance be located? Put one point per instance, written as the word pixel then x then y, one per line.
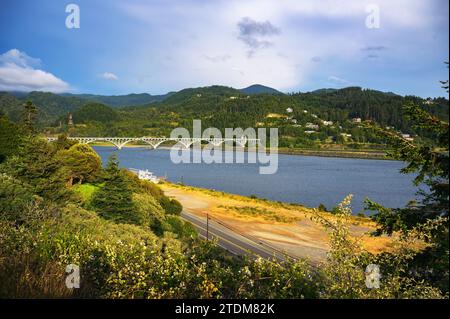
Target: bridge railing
pixel 154 142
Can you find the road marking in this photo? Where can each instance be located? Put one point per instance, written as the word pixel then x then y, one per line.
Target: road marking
pixel 244 239
pixel 251 243
pixel 224 239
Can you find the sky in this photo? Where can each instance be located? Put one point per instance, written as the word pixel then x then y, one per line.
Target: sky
pixel 158 46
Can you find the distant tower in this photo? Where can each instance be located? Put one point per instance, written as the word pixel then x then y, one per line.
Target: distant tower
pixel 70 119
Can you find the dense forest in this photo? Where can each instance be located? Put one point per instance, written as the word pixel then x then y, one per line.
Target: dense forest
pixel 314 119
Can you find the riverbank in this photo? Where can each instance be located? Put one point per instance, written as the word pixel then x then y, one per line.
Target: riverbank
pixel 285 227
pixel 358 154
pixel 365 154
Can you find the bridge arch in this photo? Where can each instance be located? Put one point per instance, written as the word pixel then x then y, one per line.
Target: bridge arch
pixel 135 140
pixel 186 143
pixel 89 141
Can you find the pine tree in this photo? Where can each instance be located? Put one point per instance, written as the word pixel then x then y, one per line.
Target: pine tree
pixel 115 199
pixel 29 117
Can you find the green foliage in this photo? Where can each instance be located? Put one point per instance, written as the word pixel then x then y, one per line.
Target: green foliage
pixel 171 205
pixel 81 163
pixel 148 211
pixel 86 192
pixel 430 161
pixel 10 138
pixel 36 164
pixel 29 117
pixel 344 271
pixel 15 199
pixel 176 225
pixel 115 199
pixel 94 112
pixel 63 143
pixel 10 106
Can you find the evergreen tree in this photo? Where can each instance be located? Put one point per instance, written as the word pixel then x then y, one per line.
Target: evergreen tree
pixel 29 117
pixel 10 138
pixel 115 199
pixel 36 164
pixel 430 162
pixel 81 163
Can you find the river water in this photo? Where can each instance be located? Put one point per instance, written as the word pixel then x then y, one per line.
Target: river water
pixel 307 180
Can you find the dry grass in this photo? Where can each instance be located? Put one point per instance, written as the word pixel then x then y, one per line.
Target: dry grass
pixel 23 276
pixel 287 227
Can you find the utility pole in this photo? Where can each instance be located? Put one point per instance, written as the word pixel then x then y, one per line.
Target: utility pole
pixel 207 226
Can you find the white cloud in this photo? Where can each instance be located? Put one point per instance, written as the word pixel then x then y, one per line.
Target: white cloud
pixel 337 80
pixel 209 43
pixel 109 76
pixel 19 72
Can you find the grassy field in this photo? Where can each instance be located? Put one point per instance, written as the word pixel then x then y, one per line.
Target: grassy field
pixel 85 191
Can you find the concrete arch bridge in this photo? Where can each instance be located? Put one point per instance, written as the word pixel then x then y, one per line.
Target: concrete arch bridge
pixel 154 142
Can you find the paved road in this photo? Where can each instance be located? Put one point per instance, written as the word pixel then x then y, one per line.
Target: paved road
pixel 230 240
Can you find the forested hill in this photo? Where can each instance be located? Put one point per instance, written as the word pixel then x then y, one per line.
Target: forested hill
pixel 319 115
pixel 122 100
pixel 258 89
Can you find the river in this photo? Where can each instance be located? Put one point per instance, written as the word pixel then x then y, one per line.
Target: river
pixel 307 180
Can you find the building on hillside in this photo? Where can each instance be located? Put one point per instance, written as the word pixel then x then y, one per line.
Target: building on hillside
pixel 312 126
pixel 310 132
pixel 233 97
pixel 356 120
pixel 70 120
pixel 408 137
pixel 327 123
pixel 289 110
pixel 294 121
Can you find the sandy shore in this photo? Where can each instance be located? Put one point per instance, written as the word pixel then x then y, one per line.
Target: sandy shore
pixel 288 228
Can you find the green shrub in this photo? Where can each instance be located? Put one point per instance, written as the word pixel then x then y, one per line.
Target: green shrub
pixel 171 206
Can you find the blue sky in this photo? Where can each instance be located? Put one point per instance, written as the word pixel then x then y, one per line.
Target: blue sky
pixel 156 46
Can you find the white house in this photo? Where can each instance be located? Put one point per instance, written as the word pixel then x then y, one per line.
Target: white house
pixel 408 137
pixel 356 120
pixel 312 126
pixel 327 123
pixel 289 110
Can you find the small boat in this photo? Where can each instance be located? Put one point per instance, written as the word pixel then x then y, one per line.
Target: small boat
pixel 145 175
